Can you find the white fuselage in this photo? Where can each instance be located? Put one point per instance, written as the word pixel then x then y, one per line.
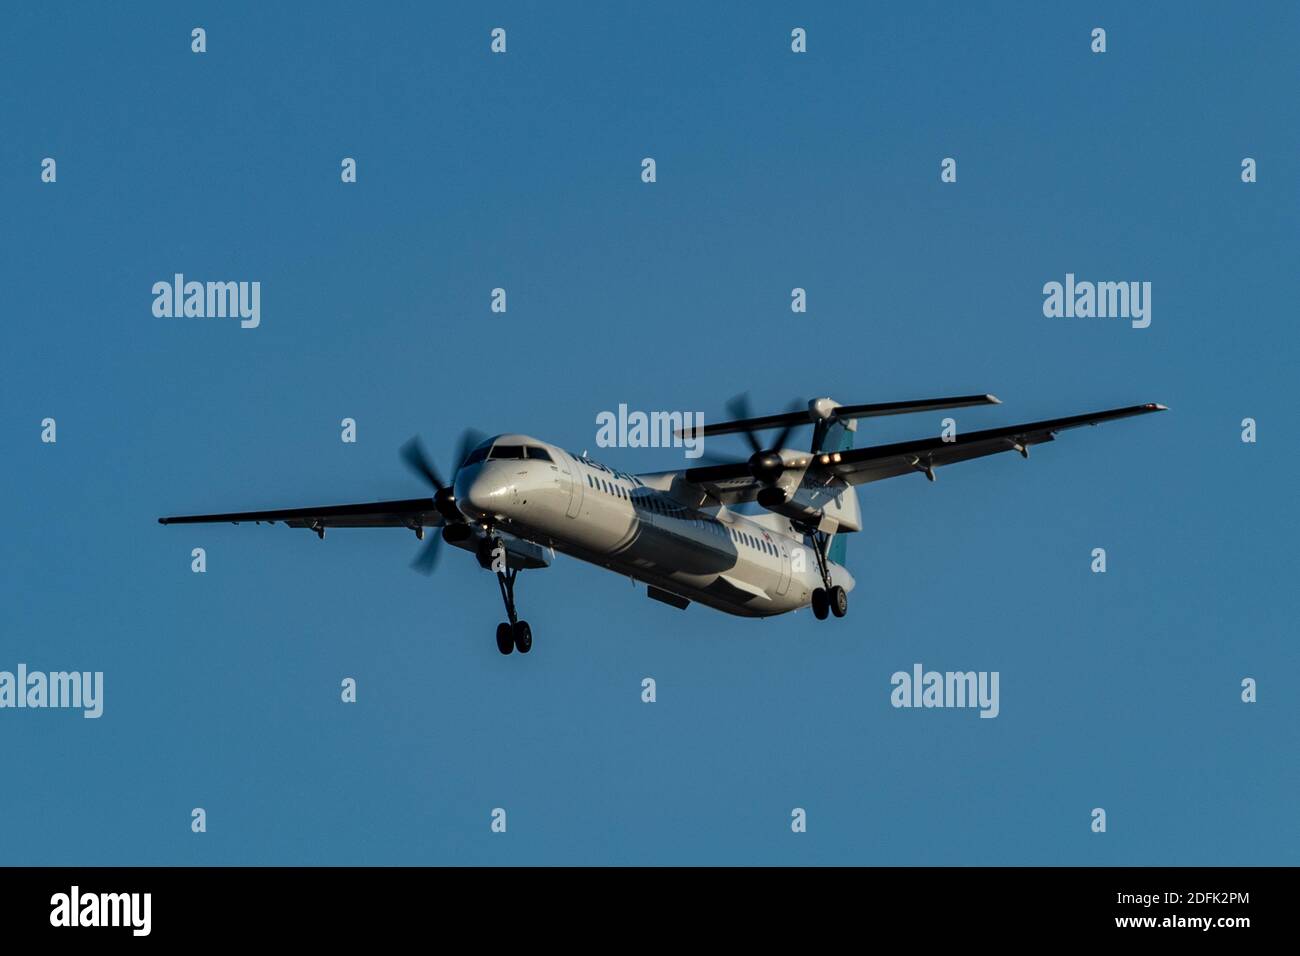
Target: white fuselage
pixel 749 565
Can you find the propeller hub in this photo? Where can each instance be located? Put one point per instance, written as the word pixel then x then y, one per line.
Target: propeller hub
pixel 444 499
pixel 766 466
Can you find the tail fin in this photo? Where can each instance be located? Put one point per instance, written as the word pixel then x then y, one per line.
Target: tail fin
pixel 831 436
pixel 836 552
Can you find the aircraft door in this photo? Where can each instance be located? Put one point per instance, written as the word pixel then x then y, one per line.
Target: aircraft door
pixel 577 482
pixel 784 584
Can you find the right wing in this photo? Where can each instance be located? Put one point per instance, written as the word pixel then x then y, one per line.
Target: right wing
pixel 408 513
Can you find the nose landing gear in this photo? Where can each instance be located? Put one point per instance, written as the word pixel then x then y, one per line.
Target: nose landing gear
pixel 513 634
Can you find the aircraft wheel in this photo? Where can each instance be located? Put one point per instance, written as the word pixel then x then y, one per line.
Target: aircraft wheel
pixel 505 642
pixel 523 637
pixel 839 601
pixel 820 604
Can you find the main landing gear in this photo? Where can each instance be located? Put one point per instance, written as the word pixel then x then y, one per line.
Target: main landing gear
pixel 830 599
pixel 514 633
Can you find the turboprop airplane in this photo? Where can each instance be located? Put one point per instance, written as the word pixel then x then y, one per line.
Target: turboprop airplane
pixel 514 501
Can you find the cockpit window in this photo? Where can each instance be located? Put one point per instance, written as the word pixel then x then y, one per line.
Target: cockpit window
pixel 506 451
pixel 477 455
pixel 538 454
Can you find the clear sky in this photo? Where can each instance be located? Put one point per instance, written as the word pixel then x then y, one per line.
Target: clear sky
pixel 775 170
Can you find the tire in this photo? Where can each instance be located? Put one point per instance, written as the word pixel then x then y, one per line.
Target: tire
pixel 523 637
pixel 820 604
pixel 839 601
pixel 505 641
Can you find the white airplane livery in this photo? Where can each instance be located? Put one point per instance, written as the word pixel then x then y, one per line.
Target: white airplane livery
pixel 754 537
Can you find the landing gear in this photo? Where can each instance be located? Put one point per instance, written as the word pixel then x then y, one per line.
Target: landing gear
pixel 839 601
pixel 523 635
pixel 513 634
pixel 821 605
pixel 831 598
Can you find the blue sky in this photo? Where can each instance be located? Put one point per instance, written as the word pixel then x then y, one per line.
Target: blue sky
pixel 775 170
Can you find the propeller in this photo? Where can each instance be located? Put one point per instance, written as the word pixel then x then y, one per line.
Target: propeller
pixel 444 498
pixel 426 559
pixel 765 463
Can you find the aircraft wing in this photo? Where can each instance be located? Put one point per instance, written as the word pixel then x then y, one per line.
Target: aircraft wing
pixel 861 465
pixel 725 484
pixel 733 483
pixel 408 513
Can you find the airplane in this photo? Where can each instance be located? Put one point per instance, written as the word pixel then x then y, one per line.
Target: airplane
pixel 514 501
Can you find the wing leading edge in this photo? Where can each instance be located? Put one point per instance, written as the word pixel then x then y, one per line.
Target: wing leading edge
pixel 862 465
pixel 407 513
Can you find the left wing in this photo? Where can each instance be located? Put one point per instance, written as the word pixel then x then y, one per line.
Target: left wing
pixel 733 483
pixel 861 465
pixel 408 513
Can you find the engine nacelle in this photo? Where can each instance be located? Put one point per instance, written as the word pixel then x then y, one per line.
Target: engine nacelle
pixel 775 499
pixel 828 507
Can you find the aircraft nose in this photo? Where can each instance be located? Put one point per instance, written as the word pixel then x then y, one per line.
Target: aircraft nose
pixel 476 490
